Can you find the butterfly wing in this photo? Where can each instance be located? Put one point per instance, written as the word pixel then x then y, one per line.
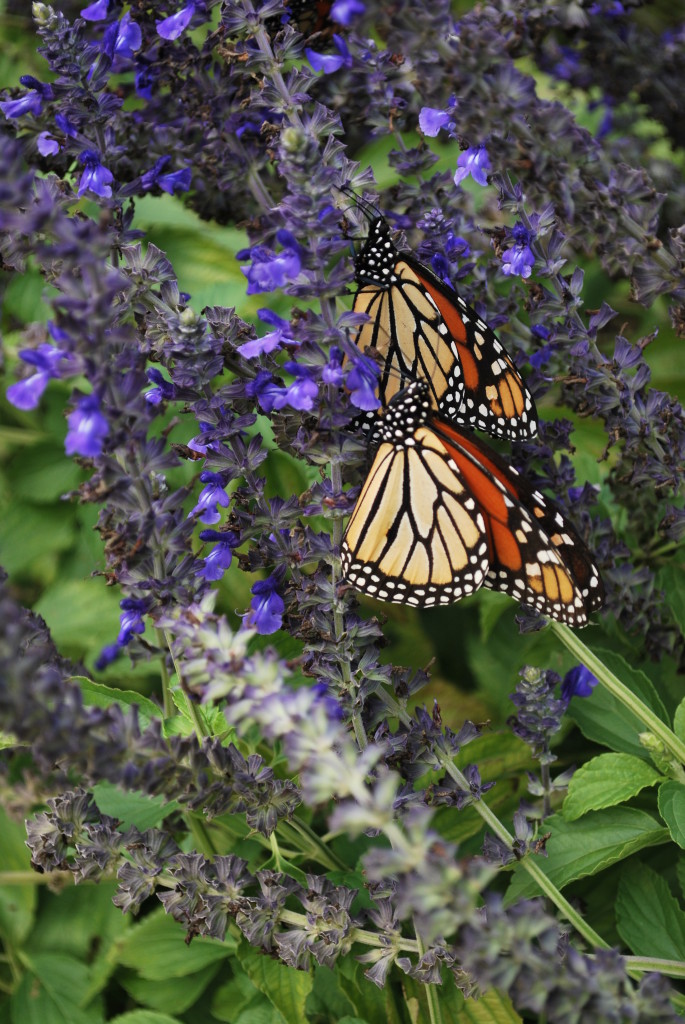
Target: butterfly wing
pixel 425 331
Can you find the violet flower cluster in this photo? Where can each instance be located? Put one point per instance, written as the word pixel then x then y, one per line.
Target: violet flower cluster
pixel 234 107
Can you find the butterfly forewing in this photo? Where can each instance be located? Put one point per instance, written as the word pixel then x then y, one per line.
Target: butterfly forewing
pixel 425 331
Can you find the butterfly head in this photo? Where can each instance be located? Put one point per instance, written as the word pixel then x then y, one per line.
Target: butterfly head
pixel 409 409
pixel 375 263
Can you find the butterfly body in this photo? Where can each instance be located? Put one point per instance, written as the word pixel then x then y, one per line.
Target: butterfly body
pixel 425 331
pixel 440 515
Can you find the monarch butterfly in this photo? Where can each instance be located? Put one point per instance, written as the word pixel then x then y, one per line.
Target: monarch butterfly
pixel 440 515
pixel 424 330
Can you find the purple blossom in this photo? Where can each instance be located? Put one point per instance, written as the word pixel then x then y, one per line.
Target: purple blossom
pixel 267 606
pixel 123 38
pixel 282 335
pixel 332 372
pixel 87 428
pixel 65 125
pixel 163 391
pixel 345 11
pixel 519 259
pixel 270 270
pixel 578 682
pixel 362 382
pixel 211 496
pixel 96 11
pixel 302 393
pixel 174 26
pixel 474 161
pixel 95 178
pixel 167 182
pixel 215 564
pixel 265 389
pixel 31 102
pixel 131 619
pixel 26 394
pixel 330 62
pixel 431 120
pixel 47 146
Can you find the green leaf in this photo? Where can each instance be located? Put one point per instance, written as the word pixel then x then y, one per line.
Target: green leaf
pixel 174 995
pixel 679 721
pixel 286 988
pixel 680 872
pixel 648 916
pixel 328 997
pixel 672 809
pixel 157 950
pixel 29 534
pixel 584 847
pixel 606 720
pixel 101 696
pixel 144 1017
pixel 234 996
pixel 671 579
pixel 93 920
pixel 605 781
pixel 370 1003
pixel 492 1008
pixel 132 807
pixel 83 615
pixel 52 990
pixel 17 900
pixel 43 473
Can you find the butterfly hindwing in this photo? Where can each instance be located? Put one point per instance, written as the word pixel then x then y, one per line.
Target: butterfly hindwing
pixel 440 515
pixel 425 331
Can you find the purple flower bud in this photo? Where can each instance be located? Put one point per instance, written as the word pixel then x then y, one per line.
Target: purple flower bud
pixel 87 428
pixel 431 120
pixel 210 498
pixel 107 655
pixel 345 11
pixel 95 177
pixel 96 11
pixel 362 381
pixel 327 62
pixel 47 146
pixel 267 606
pixel 219 559
pixel 476 162
pixel 130 620
pixel 578 682
pixel 173 26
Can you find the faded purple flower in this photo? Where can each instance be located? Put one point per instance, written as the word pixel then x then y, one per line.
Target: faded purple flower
pixel 87 428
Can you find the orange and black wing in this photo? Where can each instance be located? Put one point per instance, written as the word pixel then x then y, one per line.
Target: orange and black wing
pixel 440 515
pixel 425 331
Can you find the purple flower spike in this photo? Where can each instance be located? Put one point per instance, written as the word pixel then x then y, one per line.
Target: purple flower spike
pixel 210 498
pixel 87 428
pixel 476 162
pixel 174 26
pixel 519 259
pixel 362 382
pixel 267 607
pixel 219 559
pixel 95 177
pixel 578 682
pixel 345 11
pixel 96 11
pixel 431 120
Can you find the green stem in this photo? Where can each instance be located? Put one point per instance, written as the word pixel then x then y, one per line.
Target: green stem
pixel 671 968
pixel 167 702
pixel 620 691
pixel 310 844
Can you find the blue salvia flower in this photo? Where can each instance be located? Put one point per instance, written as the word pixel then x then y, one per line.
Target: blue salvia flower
pixel 519 259
pixel 211 496
pixel 578 682
pixel 95 177
pixel 168 181
pixel 267 607
pixel 87 428
pixel 475 162
pixel 51 363
pixel 175 25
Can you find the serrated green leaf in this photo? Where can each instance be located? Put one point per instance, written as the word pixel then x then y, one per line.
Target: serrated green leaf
pixel 234 996
pixel 604 719
pixel 131 807
pixel 52 990
pixel 672 809
pixel 648 916
pixel 679 720
pixel 492 1008
pixel 101 696
pixel 17 902
pixel 584 847
pixel 174 995
pixel 144 1017
pixel 328 996
pixel 286 988
pixel 157 950
pixel 93 920
pixel 605 781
